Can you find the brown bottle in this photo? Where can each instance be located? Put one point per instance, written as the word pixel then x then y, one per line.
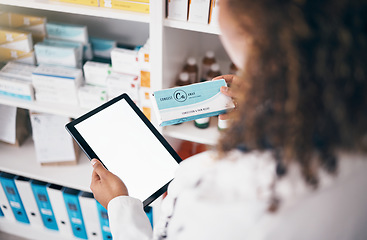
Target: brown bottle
pixel 214 72
pixel 233 69
pixel 183 79
pixel 207 62
pixel 191 68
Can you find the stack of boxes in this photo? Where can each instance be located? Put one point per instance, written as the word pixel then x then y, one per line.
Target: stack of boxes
pixel 200 11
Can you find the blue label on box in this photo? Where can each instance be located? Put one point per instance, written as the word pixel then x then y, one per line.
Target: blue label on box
pixel 103 220
pixel 11 192
pixel 75 214
pixel 187 95
pixel 44 205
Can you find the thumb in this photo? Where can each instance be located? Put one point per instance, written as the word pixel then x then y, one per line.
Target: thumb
pixel 99 169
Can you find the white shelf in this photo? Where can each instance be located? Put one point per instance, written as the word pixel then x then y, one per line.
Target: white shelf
pixel 27 231
pixel 22 161
pixel 79 9
pixel 63 110
pixel 188 131
pixel 197 27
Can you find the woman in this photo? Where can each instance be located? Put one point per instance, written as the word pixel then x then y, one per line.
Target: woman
pixel 293 163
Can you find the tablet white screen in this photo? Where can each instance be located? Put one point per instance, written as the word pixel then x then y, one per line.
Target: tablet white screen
pixel 129 149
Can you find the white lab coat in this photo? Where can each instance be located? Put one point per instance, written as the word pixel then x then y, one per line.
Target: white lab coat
pixel 228 199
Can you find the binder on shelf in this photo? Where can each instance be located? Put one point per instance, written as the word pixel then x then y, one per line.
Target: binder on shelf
pixel 5 207
pixel 12 194
pixel 149 211
pixel 44 205
pixel 90 215
pixel 75 214
pixel 25 192
pixel 1 213
pixel 61 215
pixel 105 224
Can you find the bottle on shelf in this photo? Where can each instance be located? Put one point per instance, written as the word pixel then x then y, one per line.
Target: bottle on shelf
pixel 191 68
pixel 233 69
pixel 207 62
pixel 222 124
pixel 213 72
pixel 183 79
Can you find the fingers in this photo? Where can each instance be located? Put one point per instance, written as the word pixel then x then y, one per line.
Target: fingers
pixel 226 91
pixel 228 78
pixel 98 167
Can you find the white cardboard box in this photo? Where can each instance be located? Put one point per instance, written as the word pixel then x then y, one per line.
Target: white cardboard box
pixel 125 61
pixel 178 10
pixel 52 143
pixel 199 11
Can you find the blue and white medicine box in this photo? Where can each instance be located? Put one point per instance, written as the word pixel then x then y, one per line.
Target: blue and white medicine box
pixel 102 47
pixel 200 100
pixel 74 211
pixel 105 224
pixel 12 194
pixel 70 32
pixel 44 205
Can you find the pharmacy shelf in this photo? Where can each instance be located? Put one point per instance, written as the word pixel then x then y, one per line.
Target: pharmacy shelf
pixel 197 27
pixel 79 9
pixel 22 161
pixel 188 131
pixel 62 110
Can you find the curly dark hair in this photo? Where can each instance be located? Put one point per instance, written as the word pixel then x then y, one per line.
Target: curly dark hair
pixel 303 91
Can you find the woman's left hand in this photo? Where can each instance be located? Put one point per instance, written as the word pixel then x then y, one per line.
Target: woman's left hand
pixel 106 185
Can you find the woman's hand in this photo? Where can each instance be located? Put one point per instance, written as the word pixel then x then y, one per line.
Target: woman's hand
pixel 105 185
pixel 230 79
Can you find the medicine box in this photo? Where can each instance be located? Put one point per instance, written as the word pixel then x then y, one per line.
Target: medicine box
pixel 7 55
pixel 178 9
pixel 34 24
pixel 181 104
pixel 92 96
pixel 61 55
pixel 94 3
pixel 16 88
pixel 134 6
pixel 214 11
pixel 76 33
pixel 54 84
pixel 79 47
pixel 16 40
pixel 96 73
pixel 119 83
pixel 199 11
pixel 18 70
pixel 102 47
pixel 125 61
pixel 20 130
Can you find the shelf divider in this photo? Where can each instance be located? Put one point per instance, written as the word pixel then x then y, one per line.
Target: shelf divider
pixel 185 25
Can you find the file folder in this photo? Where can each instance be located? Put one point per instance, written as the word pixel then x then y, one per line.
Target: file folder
pixel 5 207
pixel 90 216
pixel 25 192
pixel 12 194
pixel 44 205
pixel 149 211
pixel 105 224
pixel 58 205
pixel 75 214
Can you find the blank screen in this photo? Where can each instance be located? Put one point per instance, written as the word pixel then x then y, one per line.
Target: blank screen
pixel 129 149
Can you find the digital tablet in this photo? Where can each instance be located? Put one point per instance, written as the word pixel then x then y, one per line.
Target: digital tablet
pixel 124 140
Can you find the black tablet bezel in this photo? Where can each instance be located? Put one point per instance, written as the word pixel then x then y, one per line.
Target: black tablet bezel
pixel 70 127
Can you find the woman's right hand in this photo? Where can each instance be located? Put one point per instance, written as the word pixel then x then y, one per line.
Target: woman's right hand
pixel 230 79
pixel 106 185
